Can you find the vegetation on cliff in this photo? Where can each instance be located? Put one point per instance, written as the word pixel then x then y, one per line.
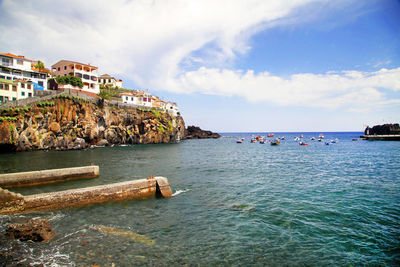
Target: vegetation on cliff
pixel 68 122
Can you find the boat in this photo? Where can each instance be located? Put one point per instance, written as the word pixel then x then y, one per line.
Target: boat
pixel 312 138
pixel 275 143
pixel 303 144
pixel 282 138
pixel 327 143
pixel 270 135
pixel 354 139
pixel 253 140
pixel 296 139
pixel 301 135
pixel 239 141
pixel 321 136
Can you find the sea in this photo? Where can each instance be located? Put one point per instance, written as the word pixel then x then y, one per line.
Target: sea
pixel 247 204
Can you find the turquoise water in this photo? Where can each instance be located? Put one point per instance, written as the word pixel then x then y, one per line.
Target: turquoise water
pixel 236 204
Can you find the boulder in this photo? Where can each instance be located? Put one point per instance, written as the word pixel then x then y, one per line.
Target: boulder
pixel 37 230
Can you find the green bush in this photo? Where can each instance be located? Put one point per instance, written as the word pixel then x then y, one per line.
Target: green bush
pixel 72 80
pixel 8 119
pixel 45 104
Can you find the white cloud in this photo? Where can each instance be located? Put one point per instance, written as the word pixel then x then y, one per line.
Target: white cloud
pixel 351 89
pixel 148 41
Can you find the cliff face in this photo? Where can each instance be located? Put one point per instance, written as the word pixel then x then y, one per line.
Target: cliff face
pixel 64 124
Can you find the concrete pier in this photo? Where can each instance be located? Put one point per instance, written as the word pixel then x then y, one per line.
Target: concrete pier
pixel 12 203
pixel 391 137
pixel 47 176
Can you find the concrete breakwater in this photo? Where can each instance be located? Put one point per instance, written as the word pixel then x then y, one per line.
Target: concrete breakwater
pixel 13 203
pixel 47 176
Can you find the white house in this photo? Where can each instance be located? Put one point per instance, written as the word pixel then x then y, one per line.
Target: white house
pixel 106 79
pixel 13 67
pixel 172 108
pixel 87 72
pixel 15 90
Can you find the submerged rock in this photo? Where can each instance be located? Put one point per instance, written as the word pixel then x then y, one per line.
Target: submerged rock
pixel 125 234
pixel 37 230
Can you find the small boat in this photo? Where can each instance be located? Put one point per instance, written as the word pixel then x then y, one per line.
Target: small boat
pixel 312 138
pixel 354 139
pixel 321 136
pixel 296 139
pixel 303 144
pixel 282 138
pixel 319 139
pixel 301 135
pixel 327 143
pixel 239 141
pixel 270 135
pixel 253 140
pixel 275 143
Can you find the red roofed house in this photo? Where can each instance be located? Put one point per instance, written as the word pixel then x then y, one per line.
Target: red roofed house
pixel 106 79
pixel 13 67
pixel 86 72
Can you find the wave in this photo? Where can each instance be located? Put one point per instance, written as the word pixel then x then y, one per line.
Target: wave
pixel 180 192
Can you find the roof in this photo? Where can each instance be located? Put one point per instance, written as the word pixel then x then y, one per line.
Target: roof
pixel 73 62
pixel 14 56
pixel 106 75
pixel 42 70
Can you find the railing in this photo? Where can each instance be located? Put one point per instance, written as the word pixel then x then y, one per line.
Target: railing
pixel 119 104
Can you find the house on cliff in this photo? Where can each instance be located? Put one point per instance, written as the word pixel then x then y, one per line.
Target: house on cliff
pixel 13 67
pixel 106 79
pixel 87 72
pixel 11 90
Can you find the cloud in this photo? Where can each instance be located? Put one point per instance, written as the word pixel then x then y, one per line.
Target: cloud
pixel 351 89
pixel 155 43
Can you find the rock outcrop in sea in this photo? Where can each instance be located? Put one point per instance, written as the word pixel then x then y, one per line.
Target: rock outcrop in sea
pixel 385 129
pixel 193 132
pixel 70 123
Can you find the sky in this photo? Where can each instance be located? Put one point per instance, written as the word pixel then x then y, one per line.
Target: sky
pixel 231 65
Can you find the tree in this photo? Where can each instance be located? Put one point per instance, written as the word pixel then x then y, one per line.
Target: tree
pixel 40 65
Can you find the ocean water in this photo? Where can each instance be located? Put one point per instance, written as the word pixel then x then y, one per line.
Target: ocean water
pixel 246 204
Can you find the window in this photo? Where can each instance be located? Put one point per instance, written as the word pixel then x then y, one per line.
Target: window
pixel 59 69
pixel 144 99
pixel 109 80
pixel 14 88
pixel 78 75
pixel 23 93
pixel 6 61
pixel 30 94
pixel 65 67
pixel 85 76
pixel 126 98
pixel 40 83
pixel 1 86
pixel 131 98
pixel 5 99
pixel 8 78
pixel 1 99
pixel 72 67
pixel 2 77
pixel 22 85
pixel 29 86
pixel 14 98
pixel 20 62
pixel 43 76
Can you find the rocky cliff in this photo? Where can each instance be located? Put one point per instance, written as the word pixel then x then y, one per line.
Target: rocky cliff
pixel 70 123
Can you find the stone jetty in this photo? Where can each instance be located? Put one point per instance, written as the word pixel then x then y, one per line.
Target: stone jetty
pixel 21 179
pixel 13 203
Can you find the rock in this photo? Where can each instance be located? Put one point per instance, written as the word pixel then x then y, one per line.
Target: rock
pixel 37 230
pixel 385 129
pixel 54 126
pixel 193 132
pixel 102 142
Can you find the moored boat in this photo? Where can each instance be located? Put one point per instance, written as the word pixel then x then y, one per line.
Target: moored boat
pixel 303 144
pixel 270 135
pixel 275 143
pixel 354 139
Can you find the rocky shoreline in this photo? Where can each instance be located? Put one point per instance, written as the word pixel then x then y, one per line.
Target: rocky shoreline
pixel 66 123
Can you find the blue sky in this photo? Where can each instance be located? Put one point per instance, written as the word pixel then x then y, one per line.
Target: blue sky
pixel 250 65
